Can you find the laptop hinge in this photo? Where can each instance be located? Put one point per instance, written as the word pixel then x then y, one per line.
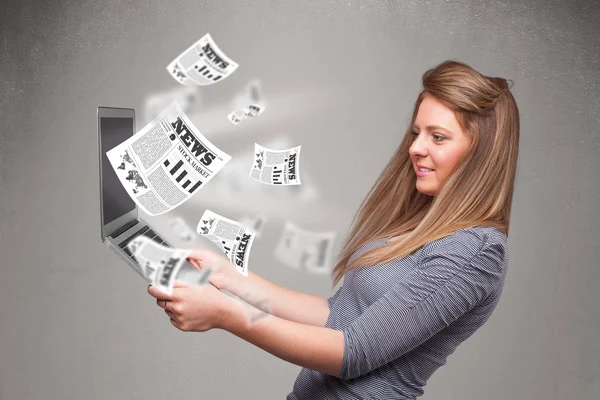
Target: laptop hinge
pixel 124 228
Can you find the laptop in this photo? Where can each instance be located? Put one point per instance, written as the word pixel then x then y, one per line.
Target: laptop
pixel 119 219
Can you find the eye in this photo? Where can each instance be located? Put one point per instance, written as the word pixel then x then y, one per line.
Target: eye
pixel 437 137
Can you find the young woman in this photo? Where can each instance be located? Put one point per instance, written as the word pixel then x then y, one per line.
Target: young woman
pixel 423 266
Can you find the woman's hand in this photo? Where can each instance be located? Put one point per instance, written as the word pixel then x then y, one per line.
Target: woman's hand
pixel 223 273
pixel 194 308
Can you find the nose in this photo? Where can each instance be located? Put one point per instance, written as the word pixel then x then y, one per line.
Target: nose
pixel 417 148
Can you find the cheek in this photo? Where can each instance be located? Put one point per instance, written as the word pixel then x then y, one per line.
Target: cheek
pixel 446 161
pixel 446 164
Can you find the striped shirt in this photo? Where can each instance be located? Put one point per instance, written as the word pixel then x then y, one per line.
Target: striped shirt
pixel 402 319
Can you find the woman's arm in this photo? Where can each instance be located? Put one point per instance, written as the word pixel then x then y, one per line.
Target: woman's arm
pixel 201 308
pixel 320 349
pixel 279 301
pixel 460 274
pixel 261 293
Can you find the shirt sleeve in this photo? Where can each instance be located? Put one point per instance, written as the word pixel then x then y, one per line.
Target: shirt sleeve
pixel 446 284
pixel 332 298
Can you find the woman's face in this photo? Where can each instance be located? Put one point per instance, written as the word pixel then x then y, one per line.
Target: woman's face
pixel 438 144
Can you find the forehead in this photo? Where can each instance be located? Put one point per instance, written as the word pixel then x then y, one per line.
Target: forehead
pixel 434 112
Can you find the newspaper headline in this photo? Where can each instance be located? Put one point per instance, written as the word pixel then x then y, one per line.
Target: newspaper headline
pixel 203 63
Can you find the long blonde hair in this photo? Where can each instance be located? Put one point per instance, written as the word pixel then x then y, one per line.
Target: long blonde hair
pixel 479 191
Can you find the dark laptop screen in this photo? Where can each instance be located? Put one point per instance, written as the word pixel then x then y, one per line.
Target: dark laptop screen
pixel 115 200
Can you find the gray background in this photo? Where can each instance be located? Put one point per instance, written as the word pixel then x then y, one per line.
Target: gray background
pixel 340 78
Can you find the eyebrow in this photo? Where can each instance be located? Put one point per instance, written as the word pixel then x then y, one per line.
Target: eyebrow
pixel 432 128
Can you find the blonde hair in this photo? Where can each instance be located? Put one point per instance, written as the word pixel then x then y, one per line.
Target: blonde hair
pixel 478 192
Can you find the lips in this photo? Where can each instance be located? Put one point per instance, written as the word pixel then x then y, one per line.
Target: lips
pixel 421 173
pixel 422 166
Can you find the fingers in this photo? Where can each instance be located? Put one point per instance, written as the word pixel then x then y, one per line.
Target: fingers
pixel 167 306
pixel 158 294
pixel 198 254
pixel 175 324
pixel 179 284
pixel 165 302
pixel 194 262
pixel 171 314
pixel 161 303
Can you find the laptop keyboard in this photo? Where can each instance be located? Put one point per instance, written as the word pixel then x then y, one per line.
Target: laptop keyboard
pixel 145 231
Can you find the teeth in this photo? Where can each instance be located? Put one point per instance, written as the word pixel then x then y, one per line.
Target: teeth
pixel 425 170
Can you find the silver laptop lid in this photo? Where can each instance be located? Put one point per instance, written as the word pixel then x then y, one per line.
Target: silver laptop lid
pixel 115 125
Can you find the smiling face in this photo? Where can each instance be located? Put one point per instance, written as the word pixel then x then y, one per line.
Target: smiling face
pixel 438 144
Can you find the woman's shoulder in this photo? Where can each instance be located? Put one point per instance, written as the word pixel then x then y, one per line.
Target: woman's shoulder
pixel 482 234
pixel 370 245
pixel 467 242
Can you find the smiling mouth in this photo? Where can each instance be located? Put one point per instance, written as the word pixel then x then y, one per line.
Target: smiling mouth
pixel 422 174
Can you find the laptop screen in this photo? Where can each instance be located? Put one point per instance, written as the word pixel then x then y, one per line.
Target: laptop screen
pixel 115 200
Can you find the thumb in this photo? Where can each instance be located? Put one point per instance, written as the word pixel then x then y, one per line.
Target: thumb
pixel 195 263
pixel 197 257
pixel 198 254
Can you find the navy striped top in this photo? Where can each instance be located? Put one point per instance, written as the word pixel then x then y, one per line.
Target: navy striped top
pixel 402 319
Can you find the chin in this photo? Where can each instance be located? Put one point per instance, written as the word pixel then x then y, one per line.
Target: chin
pixel 427 192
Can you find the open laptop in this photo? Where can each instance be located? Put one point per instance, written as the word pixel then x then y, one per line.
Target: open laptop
pixel 118 212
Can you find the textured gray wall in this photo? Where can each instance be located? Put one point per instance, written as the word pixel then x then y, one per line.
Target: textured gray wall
pixel 340 78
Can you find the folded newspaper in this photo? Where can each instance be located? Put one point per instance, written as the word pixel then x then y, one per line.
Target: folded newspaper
pixel 161 264
pixel 166 162
pixel 203 63
pixel 233 238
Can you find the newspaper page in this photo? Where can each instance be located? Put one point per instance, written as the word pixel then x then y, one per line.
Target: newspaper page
pixel 234 239
pixel 276 167
pixel 159 264
pixel 305 250
pixel 203 63
pixel 166 162
pixel 253 110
